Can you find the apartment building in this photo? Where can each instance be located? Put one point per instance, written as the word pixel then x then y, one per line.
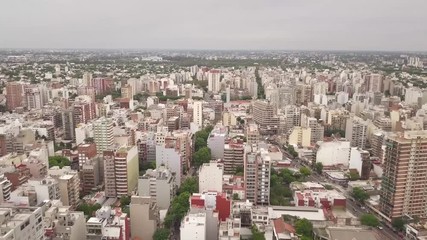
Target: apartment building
pixel 18 223
pixel 121 170
pixel 144 218
pixel 356 132
pixel 403 190
pixel 158 184
pixel 257 175
pixel 211 176
pixel 103 134
pixel 5 188
pixel 234 152
pixel 264 114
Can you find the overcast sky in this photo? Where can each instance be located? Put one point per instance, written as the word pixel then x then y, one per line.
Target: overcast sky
pixel 215 24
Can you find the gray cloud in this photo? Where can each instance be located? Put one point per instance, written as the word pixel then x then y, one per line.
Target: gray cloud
pixel 215 24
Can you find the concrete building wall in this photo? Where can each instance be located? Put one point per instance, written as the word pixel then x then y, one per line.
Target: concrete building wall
pixel 210 177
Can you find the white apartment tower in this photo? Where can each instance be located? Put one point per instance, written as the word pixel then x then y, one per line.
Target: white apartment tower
pixel 198 113
pixel 103 134
pixel 356 132
pixel 214 81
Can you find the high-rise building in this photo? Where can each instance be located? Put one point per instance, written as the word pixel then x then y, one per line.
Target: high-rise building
pixel 14 95
pixel 257 175
pixel 103 134
pixel 234 152
pixel 198 113
pixel 168 154
pixel 83 110
pixel 214 81
pixel 264 114
pixel 159 184
pixel 403 191
pixel 356 132
pixel 68 124
pixel 102 85
pixel 127 91
pixel 121 170
pixel 33 97
pixel 216 141
pixel 374 82
pixel 144 218
pixel 252 134
pixel 69 186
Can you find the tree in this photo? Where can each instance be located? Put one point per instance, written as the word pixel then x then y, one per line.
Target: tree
pixel 124 201
pixel 239 171
pixel 200 142
pixel 88 209
pixel 318 167
pixel 305 171
pixel 359 194
pixel 236 196
pixel 398 224
pixel 304 227
pixel 59 161
pixel 369 220
pixel 203 155
pixel 161 234
pixel 190 185
pixel 292 151
pixel 256 234
pixel 353 175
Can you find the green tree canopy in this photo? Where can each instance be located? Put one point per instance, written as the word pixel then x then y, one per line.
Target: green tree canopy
pixel 124 201
pixel 304 227
pixel 88 209
pixel 161 234
pixel 292 151
pixel 398 224
pixel 256 234
pixel 359 194
pixel 199 143
pixel 305 171
pixel 59 161
pixel 236 196
pixel 369 220
pixel 318 167
pixel 203 155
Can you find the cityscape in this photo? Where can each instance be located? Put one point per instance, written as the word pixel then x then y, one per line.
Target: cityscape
pixel 157 133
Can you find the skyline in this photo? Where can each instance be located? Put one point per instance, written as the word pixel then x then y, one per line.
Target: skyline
pixel 329 25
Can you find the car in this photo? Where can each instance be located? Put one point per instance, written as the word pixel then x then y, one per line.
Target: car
pixel 380 227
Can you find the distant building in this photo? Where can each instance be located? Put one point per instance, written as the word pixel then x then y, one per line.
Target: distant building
pixel 14 95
